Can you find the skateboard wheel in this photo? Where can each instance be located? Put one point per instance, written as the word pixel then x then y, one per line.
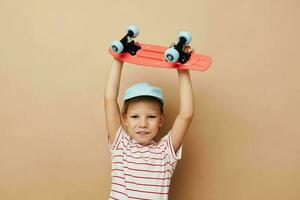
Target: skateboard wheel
pixel 171 55
pixel 117 46
pixel 185 35
pixel 133 29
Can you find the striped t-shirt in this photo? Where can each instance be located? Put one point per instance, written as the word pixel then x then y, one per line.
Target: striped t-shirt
pixel 141 172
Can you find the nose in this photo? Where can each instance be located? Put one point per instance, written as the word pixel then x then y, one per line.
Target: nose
pixel 143 122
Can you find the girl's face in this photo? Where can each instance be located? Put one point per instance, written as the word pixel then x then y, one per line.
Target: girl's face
pixel 143 120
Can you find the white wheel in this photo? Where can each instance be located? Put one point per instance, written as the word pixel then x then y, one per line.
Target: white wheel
pixel 171 55
pixel 117 46
pixel 133 29
pixel 185 35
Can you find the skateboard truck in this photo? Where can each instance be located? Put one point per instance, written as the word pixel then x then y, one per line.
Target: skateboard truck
pixel 127 44
pixel 176 53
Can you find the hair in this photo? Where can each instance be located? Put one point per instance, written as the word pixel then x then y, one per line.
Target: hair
pixel 141 98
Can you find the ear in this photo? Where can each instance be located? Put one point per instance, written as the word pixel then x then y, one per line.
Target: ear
pixel 124 119
pixel 162 119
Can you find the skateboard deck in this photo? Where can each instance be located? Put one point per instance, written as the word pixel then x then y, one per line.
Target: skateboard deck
pixel 153 56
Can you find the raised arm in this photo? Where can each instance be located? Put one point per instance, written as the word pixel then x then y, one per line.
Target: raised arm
pixel 112 111
pixel 186 111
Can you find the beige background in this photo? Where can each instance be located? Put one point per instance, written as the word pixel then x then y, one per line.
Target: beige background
pixel 244 142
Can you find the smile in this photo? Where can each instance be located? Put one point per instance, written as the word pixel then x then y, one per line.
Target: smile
pixel 142 133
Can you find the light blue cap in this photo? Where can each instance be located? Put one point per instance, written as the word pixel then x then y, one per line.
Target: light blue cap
pixel 143 89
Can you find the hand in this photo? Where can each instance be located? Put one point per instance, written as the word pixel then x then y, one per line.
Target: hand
pixel 117 61
pixel 187 49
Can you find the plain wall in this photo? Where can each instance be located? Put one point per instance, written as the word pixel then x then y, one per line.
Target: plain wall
pixel 243 143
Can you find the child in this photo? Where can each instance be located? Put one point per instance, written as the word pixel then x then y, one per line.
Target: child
pixel 141 167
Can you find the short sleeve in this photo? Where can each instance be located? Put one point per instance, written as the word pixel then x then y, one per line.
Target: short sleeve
pixel 175 155
pixel 117 140
pixel 167 143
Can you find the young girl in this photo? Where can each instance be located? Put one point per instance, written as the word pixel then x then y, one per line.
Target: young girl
pixel 141 167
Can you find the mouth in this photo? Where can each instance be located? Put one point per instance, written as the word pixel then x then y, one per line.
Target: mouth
pixel 142 133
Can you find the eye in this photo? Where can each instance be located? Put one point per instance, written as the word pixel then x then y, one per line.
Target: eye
pixel 134 116
pixel 152 116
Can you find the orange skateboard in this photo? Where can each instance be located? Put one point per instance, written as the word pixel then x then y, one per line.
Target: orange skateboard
pixel 174 57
